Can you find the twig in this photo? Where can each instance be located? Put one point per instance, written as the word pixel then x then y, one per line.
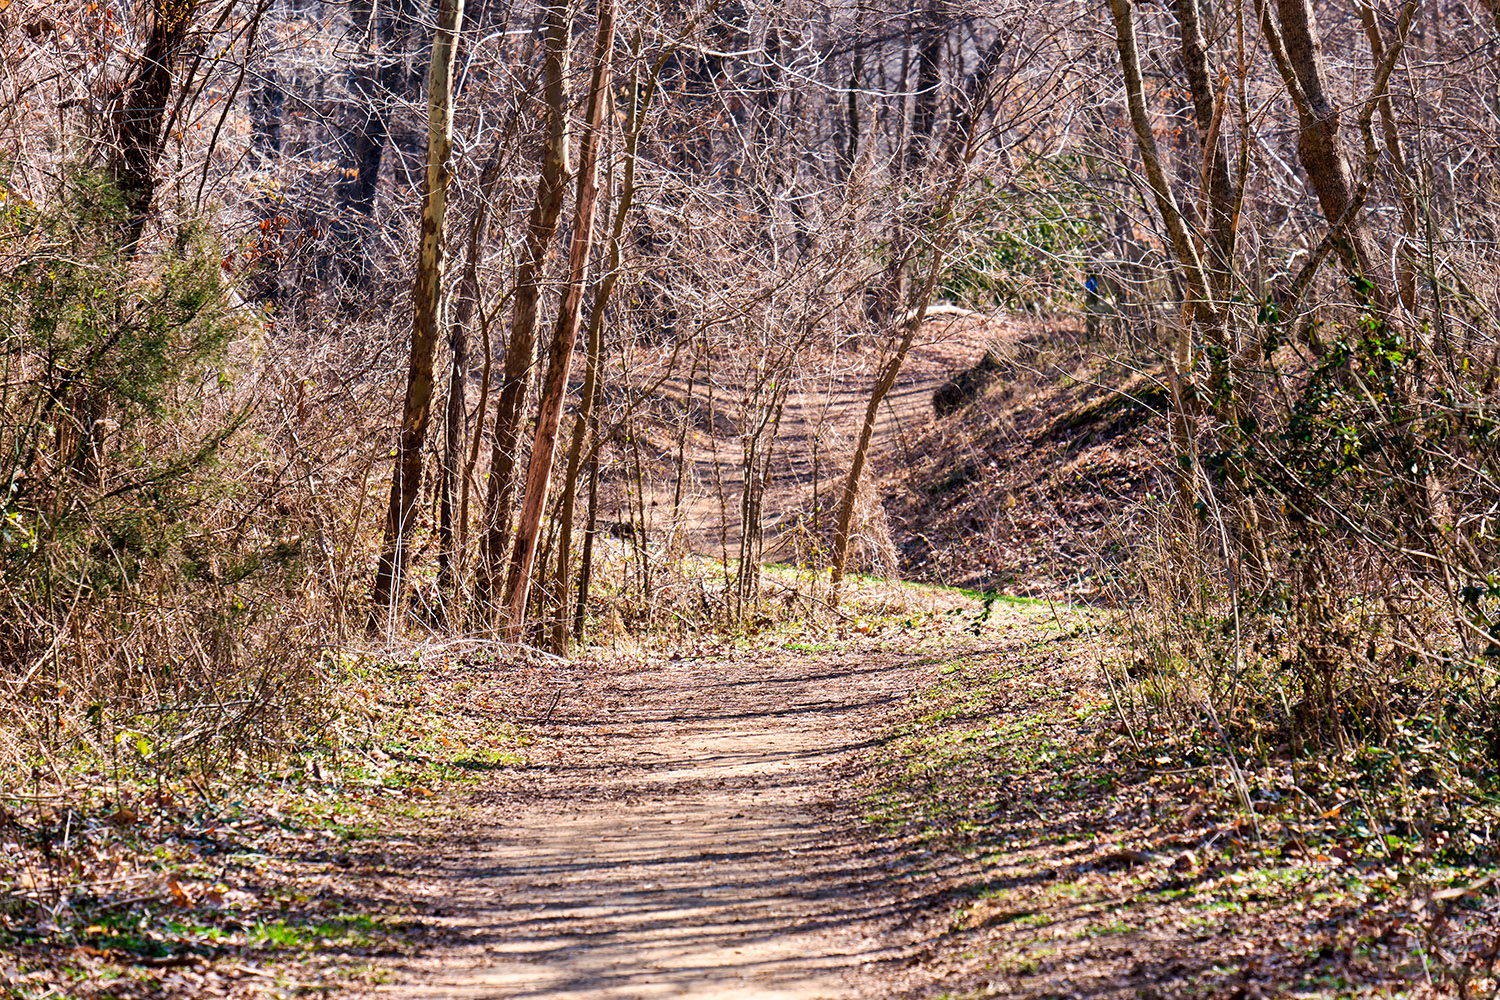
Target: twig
pixel 557 698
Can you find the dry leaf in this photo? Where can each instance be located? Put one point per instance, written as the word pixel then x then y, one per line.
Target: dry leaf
pixel 178 893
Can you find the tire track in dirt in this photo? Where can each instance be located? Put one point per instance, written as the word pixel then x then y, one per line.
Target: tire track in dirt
pixel 693 840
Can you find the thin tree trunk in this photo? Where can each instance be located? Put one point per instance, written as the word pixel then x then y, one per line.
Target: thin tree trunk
pixel 679 481
pixel 1319 142
pixel 883 383
pixel 1406 275
pixel 635 114
pixel 1220 196
pixel 456 425
pixel 959 150
pixel 590 532
pixel 1199 302
pixel 565 336
pixel 138 132
pixel 453 490
pixel 427 294
pixel 570 484
pixel 552 187
pixel 929 78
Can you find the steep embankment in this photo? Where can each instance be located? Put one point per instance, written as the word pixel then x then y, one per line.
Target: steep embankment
pixel 1030 484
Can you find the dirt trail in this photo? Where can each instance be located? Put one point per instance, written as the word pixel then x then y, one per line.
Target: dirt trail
pixel 688 841
pixel 816 433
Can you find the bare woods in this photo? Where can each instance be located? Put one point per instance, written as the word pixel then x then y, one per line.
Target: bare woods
pixel 330 321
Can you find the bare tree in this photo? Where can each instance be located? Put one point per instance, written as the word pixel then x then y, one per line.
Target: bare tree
pixel 541 227
pixel 565 334
pixel 427 319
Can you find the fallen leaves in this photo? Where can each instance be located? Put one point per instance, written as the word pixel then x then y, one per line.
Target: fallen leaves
pixel 1100 877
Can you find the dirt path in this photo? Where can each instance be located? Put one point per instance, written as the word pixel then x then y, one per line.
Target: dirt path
pixel 688 841
pixel 821 419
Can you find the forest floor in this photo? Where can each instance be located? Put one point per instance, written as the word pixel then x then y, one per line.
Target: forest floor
pixel 926 796
pixel 927 804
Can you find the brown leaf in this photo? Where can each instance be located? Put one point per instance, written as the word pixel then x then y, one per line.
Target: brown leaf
pixel 1464 891
pixel 178 893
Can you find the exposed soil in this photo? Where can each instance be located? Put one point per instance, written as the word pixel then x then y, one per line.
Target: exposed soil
pixel 939 808
pixel 1034 485
pixel 925 797
pixel 691 837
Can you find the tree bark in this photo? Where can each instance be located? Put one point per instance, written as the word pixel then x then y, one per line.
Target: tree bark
pixel 929 78
pixel 1184 248
pixel 565 335
pixel 427 295
pixel 455 422
pixel 516 377
pixel 139 117
pixel 1319 141
pixel 452 509
pixel 1406 275
pixel 635 114
pixel 1220 195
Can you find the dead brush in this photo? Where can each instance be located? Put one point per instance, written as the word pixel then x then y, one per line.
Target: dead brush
pixel 1337 703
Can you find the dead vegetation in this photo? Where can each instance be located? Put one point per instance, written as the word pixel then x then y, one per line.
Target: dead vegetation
pixel 1029 489
pixel 1072 863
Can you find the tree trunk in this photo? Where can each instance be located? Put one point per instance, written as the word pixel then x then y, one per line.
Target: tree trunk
pixel 138 119
pixel 586 406
pixel 453 509
pixel 455 421
pixel 929 78
pixel 1319 143
pixel 565 335
pixel 590 531
pixel 883 383
pixel 635 115
pixel 1198 301
pixel 427 295
pixel 516 378
pixel 1406 276
pixel 1220 196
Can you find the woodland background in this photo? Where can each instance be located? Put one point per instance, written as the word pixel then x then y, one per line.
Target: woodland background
pixel 333 325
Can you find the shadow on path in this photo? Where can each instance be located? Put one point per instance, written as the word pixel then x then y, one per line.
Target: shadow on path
pixel 690 844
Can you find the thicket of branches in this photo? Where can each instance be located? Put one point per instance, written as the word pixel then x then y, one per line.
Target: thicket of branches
pixel 567 266
pixel 1320 183
pixel 482 318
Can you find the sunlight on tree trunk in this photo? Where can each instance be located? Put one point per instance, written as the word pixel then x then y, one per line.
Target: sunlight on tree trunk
pixel 565 335
pixel 427 301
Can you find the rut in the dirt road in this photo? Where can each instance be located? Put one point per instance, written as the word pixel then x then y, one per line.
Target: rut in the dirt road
pixel 693 844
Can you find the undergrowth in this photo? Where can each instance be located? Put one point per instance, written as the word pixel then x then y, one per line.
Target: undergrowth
pixel 1097 854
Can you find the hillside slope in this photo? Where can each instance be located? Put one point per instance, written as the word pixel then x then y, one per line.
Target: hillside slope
pixel 1030 487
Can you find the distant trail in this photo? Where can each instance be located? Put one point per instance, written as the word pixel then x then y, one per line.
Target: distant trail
pixel 834 408
pixel 690 845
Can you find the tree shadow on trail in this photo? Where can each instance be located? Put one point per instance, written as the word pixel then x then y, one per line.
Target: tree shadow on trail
pixel 693 839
